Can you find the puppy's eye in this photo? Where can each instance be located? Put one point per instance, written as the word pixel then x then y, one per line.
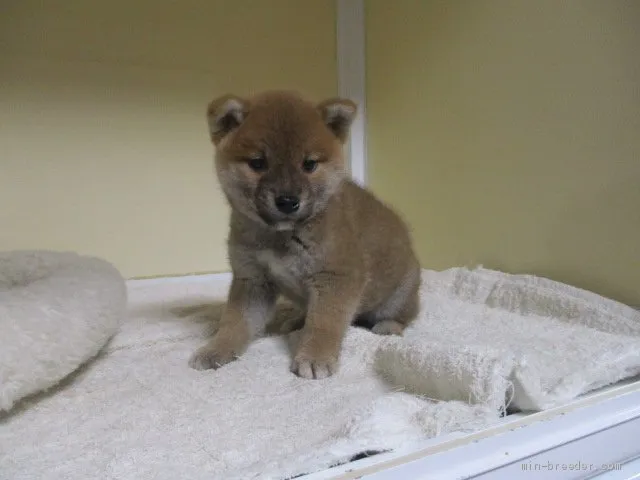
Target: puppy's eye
pixel 309 165
pixel 258 164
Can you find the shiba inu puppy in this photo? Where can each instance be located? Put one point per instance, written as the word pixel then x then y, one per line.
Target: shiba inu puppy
pixel 301 228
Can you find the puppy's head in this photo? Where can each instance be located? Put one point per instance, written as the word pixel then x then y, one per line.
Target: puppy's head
pixel 278 157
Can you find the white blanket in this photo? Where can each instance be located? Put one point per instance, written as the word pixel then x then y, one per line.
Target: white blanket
pixel 57 309
pixel 483 340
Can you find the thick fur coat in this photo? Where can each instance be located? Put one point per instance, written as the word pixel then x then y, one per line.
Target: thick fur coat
pixel 301 228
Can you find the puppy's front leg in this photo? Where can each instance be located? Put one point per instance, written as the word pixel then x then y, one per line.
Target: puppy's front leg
pixel 333 304
pixel 249 307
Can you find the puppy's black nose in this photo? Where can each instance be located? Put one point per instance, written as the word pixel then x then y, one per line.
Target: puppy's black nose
pixel 287 203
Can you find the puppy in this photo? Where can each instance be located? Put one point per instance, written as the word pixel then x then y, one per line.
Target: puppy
pixel 301 228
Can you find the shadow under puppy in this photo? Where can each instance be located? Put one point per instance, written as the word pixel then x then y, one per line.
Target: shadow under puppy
pixel 301 228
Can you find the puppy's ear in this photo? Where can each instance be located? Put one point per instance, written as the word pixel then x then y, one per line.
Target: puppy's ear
pixel 225 114
pixel 338 114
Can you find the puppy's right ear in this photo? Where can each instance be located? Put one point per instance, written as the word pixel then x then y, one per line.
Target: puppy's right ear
pixel 225 114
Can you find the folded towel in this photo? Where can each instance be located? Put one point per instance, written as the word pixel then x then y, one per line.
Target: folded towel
pixel 487 337
pixel 484 341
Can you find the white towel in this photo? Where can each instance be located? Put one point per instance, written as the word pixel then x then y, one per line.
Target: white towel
pixel 483 339
pixel 556 341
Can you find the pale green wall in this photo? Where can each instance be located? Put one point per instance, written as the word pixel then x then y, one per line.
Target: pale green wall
pixel 103 140
pixel 508 133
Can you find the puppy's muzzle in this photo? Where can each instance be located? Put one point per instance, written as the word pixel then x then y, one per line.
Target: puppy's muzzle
pixel 287 204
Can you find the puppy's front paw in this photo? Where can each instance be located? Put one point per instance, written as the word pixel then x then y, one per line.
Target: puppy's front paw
pixel 228 344
pixel 210 357
pixel 313 361
pixel 314 369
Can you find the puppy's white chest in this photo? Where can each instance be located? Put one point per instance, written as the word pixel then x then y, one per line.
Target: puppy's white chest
pixel 286 271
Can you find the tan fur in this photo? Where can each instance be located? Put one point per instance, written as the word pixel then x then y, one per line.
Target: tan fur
pixel 342 256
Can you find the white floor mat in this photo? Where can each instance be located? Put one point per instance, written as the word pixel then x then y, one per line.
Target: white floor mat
pixel 483 339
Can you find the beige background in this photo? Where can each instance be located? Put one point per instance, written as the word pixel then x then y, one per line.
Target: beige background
pixel 103 139
pixel 508 133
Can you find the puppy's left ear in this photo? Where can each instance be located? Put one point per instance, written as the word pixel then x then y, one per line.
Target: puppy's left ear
pixel 338 115
pixel 225 114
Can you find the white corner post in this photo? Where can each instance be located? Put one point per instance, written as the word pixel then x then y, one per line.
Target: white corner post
pixel 350 34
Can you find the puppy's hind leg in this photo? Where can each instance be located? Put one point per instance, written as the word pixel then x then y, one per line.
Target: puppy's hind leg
pixel 400 309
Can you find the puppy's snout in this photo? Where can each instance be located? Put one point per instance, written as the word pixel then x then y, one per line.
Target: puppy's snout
pixel 287 203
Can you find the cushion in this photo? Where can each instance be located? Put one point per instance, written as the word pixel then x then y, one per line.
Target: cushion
pixel 57 310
